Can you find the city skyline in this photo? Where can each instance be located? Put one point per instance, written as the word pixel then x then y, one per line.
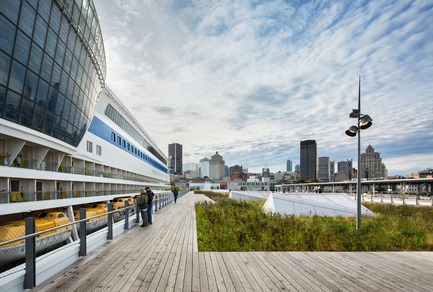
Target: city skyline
pixel 251 80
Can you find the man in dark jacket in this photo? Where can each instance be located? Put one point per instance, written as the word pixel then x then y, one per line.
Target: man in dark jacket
pixel 175 193
pixel 150 196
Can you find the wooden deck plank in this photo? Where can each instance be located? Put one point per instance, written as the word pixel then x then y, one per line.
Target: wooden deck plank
pixel 251 281
pixel 204 283
pixel 235 278
pixel 287 272
pixel 225 272
pixel 395 273
pixel 210 273
pixel 249 264
pixel 274 272
pixel 165 257
pixel 347 278
pixel 303 276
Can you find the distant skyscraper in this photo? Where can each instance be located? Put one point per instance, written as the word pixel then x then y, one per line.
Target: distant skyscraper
pixel 297 168
pixel 203 167
pixel 266 172
pixel 308 160
pixel 371 164
pixel 345 169
pixel 324 169
pixel 289 165
pixel 175 152
pixel 216 166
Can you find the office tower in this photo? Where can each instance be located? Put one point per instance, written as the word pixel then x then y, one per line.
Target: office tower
pixel 175 155
pixel 266 172
pixel 324 169
pixel 216 166
pixel 345 170
pixel 203 168
pixel 371 164
pixel 289 165
pixel 308 169
pixel 297 168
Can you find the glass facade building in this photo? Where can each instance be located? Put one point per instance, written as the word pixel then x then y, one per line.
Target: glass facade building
pixel 175 153
pixel 308 160
pixel 52 65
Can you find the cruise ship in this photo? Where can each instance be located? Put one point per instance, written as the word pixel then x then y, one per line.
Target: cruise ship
pixel 65 138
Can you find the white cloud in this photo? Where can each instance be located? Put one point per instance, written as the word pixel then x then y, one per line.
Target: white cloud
pixel 252 80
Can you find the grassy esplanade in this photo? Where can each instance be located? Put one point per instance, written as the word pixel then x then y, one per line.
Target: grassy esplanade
pixel 231 225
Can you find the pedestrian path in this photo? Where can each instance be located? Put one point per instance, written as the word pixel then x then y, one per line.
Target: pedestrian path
pixel 164 257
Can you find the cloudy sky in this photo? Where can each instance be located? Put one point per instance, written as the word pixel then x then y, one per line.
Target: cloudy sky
pixel 251 79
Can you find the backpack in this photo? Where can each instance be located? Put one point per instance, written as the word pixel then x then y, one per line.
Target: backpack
pixel 142 201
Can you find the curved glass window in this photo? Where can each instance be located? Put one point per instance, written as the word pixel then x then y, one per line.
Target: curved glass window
pixel 51 71
pixel 7 34
pixel 17 77
pixel 27 19
pixel 22 48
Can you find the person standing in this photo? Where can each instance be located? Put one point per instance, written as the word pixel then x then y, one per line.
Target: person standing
pixel 150 196
pixel 142 205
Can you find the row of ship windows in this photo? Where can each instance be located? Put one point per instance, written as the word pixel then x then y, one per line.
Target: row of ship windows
pixel 130 148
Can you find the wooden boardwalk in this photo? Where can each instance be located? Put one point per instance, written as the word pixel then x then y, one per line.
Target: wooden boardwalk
pixel 165 257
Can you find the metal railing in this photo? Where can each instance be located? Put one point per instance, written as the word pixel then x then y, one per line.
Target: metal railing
pixel 397 198
pixel 22 253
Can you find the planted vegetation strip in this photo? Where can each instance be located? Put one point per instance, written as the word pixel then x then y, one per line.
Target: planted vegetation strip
pixel 231 225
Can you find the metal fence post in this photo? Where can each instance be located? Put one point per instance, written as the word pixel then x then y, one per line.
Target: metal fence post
pixel 110 222
pixel 83 239
pixel 126 215
pixel 30 276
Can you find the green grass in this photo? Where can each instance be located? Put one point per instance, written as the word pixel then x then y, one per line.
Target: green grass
pixel 231 225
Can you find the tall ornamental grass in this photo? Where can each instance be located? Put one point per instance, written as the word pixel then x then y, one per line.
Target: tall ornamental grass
pixel 231 225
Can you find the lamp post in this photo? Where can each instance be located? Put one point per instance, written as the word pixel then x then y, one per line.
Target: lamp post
pixel 364 122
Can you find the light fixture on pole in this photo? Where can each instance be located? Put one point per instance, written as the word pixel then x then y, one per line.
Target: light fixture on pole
pixel 364 122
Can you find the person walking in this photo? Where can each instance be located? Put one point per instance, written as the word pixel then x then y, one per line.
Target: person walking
pixel 175 193
pixel 142 205
pixel 150 196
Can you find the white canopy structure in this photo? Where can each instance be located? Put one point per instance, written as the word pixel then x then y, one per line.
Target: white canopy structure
pixel 249 195
pixel 313 204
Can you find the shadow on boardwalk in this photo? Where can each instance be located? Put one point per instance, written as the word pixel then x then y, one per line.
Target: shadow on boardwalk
pixel 165 257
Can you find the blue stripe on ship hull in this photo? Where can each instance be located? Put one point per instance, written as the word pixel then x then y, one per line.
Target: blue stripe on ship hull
pixel 103 131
